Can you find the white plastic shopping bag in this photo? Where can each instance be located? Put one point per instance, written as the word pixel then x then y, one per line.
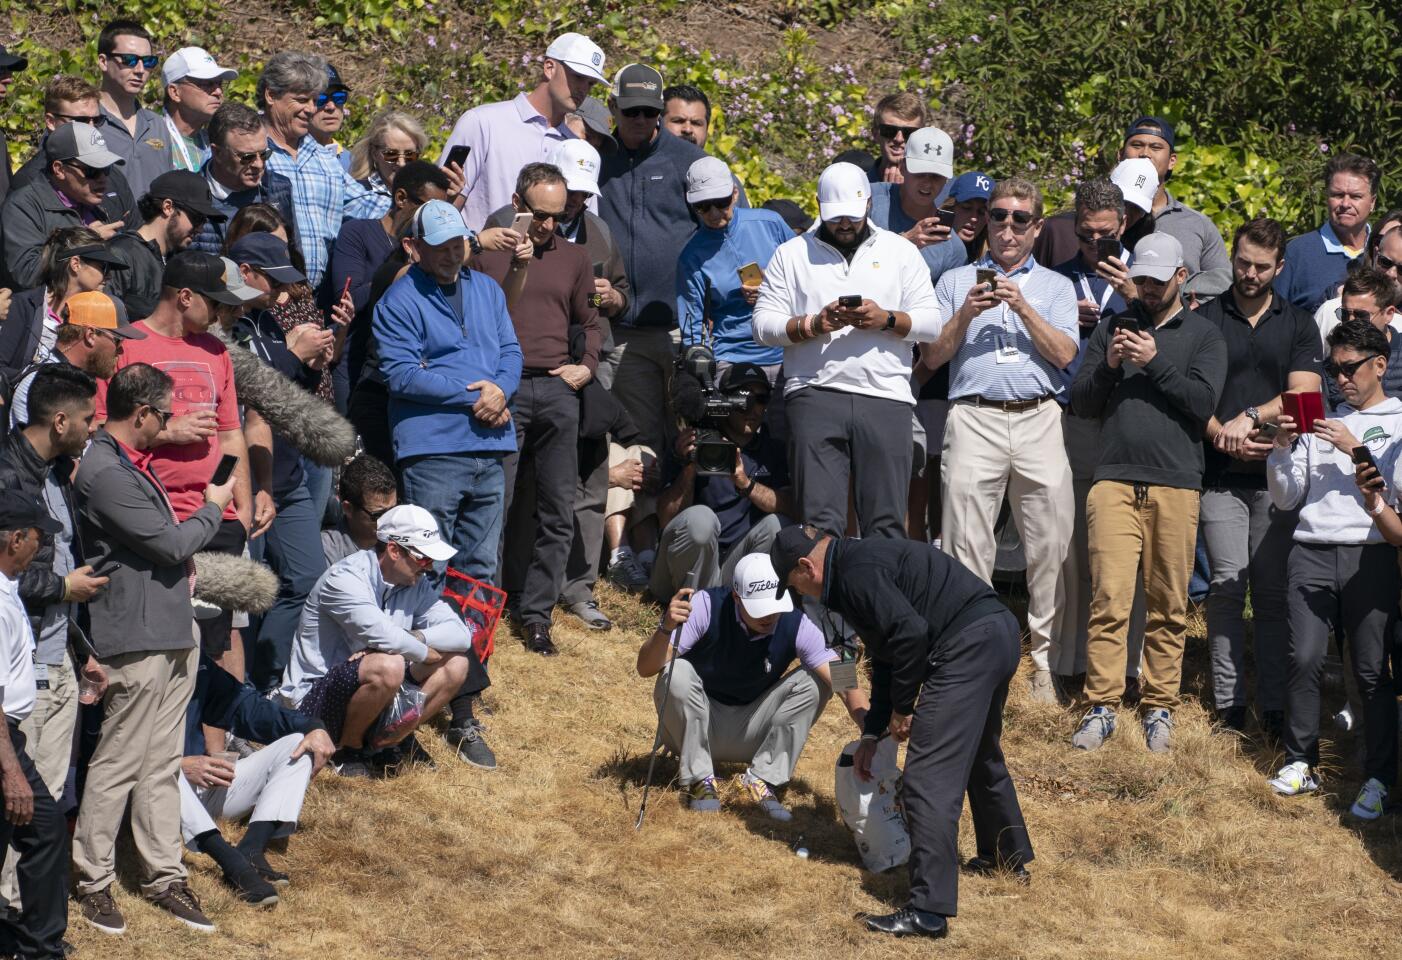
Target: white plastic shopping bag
pixel 872 809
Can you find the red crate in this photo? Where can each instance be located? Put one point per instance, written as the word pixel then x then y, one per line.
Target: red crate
pixel 480 604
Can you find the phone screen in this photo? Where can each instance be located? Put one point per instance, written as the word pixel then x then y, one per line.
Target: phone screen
pixel 1105 248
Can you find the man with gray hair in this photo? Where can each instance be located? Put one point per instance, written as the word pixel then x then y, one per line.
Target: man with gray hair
pixel 288 92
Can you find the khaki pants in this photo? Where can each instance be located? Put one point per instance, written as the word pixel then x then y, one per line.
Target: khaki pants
pixel 988 453
pixel 1147 534
pixel 49 732
pixel 137 757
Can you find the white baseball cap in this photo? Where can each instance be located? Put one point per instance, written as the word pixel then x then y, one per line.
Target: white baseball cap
pixel 843 191
pixel 930 150
pixel 580 54
pixel 1138 180
pixel 413 527
pixel 757 586
pixel 708 179
pixel 579 162
pixel 1156 256
pixel 194 63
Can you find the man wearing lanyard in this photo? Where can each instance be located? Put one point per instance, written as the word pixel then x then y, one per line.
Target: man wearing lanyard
pixel 1103 288
pixel 194 89
pixel 1012 331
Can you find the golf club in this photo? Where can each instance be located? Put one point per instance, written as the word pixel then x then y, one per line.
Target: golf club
pixel 661 713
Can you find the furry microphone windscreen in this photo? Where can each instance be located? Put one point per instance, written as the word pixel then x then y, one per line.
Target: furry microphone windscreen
pixel 234 583
pixel 306 421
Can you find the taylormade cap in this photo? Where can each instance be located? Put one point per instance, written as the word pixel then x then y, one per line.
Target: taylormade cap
pixel 843 191
pixel 930 150
pixel 792 544
pixel 101 312
pixel 970 186
pixel 205 274
pixel 188 190
pixel 1138 180
pixel 436 223
pixel 595 114
pixel 80 142
pixel 1154 127
pixel 580 54
pixel 579 162
pixel 637 85
pixel 708 179
pixel 194 63
pixel 268 254
pixel 414 528
pixel 18 512
pixel 1156 256
pixel 758 588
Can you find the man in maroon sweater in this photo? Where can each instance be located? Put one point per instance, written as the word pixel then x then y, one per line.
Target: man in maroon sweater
pixel 548 282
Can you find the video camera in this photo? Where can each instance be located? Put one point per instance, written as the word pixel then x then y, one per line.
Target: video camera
pixel 703 405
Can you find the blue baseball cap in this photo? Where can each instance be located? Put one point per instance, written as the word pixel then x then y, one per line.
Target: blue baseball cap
pixel 266 253
pixel 971 186
pixel 1154 127
pixel 437 222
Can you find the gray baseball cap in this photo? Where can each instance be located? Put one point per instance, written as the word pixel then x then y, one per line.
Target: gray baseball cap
pixel 597 118
pixel 81 143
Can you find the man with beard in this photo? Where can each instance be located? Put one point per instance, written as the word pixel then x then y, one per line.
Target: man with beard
pixel 172 214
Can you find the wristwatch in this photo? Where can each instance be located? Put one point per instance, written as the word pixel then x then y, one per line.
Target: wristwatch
pixel 1254 414
pixel 474 244
pixel 890 321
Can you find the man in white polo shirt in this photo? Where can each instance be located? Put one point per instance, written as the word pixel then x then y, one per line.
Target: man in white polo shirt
pixel 845 301
pixel 503 137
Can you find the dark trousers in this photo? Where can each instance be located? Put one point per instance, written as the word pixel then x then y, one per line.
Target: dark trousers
pixel 215 631
pixel 840 437
pixel 1352 588
pixel 954 747
pixel 368 411
pixel 293 549
pixel 546 413
pixel 42 870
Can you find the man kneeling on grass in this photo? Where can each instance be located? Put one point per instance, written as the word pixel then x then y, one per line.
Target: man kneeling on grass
pixel 731 697
pixel 372 624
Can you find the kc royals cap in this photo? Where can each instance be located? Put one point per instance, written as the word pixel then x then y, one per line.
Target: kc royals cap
pixel 971 186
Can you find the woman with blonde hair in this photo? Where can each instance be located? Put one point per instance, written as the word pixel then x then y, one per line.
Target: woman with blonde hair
pixel 394 139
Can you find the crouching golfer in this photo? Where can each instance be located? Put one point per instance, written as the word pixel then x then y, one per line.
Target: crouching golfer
pixel 933 630
pixel 732 698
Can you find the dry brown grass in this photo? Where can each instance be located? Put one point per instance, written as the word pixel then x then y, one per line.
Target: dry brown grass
pixel 1138 856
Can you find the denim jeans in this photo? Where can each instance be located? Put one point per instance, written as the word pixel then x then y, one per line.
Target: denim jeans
pixel 318 481
pixel 464 492
pixel 292 546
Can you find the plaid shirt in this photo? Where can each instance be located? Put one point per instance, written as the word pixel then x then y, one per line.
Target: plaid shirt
pixel 323 195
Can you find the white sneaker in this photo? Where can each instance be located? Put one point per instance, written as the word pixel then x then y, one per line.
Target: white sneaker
pixel 1369 805
pixel 1344 719
pixel 1294 779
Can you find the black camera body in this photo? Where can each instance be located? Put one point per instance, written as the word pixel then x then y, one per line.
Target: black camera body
pixel 702 405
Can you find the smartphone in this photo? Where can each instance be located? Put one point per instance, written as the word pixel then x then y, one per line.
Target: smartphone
pixel 1105 248
pixel 1361 455
pixel 986 276
pixel 344 290
pixel 1267 431
pixel 457 155
pixel 522 223
pixel 751 275
pixel 598 271
pixel 946 217
pixel 111 567
pixel 1303 408
pixel 223 471
pixel 851 301
pixel 1128 321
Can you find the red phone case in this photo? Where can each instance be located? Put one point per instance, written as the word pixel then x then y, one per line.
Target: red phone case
pixel 1303 408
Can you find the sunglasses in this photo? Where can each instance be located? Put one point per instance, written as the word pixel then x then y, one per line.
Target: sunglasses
pixel 165 415
pixel 1345 315
pixel 339 98
pixel 1084 237
pixel 197 219
pixel 130 60
pixel 246 159
pixel 422 561
pixel 208 86
pixel 395 156
pixel 705 206
pixel 632 113
pixel 92 173
pixel 1385 263
pixel 1347 369
pixel 888 131
pixel 1002 215
pixel 374 514
pixel 98 120
pixel 543 215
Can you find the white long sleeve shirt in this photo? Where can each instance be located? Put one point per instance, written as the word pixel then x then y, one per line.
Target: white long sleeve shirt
pixel 17 687
pixel 1317 478
pixel 806 274
pixel 352 608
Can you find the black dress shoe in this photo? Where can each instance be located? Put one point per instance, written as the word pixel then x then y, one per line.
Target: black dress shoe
pixel 984 866
pixel 909 922
pixel 538 640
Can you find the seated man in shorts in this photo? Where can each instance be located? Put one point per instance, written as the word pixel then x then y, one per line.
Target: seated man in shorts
pixel 374 623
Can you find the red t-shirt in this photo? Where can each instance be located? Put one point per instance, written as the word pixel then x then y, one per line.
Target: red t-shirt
pixel 204 380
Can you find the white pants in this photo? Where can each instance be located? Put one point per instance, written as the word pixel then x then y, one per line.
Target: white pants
pixel 988 453
pixel 267 786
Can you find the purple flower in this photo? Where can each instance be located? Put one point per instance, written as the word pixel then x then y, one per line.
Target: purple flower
pixel 1323 147
pixel 432 40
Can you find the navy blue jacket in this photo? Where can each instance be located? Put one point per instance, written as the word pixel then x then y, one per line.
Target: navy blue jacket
pixel 221 701
pixel 275 190
pixel 260 333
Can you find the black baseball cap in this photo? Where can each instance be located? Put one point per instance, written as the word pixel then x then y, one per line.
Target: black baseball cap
pixel 188 190
pixel 11 61
pixel 793 543
pixel 205 274
pixel 334 81
pixel 1154 127
pixel 638 85
pixel 739 376
pixel 793 214
pixel 94 253
pixel 18 512
pixel 268 254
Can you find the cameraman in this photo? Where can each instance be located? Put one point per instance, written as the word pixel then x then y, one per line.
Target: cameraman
pixel 708 517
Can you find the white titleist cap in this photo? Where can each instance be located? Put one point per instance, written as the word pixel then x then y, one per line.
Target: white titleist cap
pixel 413 527
pixel 757 586
pixel 843 191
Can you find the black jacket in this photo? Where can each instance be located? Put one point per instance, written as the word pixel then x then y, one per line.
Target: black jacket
pixel 31 213
pixel 139 285
pixel 19 334
pixel 221 701
pixel 23 470
pixel 903 598
pixel 260 334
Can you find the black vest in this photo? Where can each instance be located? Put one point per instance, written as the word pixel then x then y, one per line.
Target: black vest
pixel 734 668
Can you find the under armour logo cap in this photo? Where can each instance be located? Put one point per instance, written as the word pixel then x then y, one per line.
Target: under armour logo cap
pixel 930 150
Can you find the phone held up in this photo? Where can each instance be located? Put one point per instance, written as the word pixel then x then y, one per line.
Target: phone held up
pixel 751 275
pixel 1304 408
pixel 223 471
pixel 457 155
pixel 1105 248
pixel 986 276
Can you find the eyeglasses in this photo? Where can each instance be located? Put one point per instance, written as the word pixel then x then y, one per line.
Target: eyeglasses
pixel 632 113
pixel 888 131
pixel 165 415
pixel 246 159
pixel 1002 215
pixel 97 120
pixel 130 60
pixel 705 206
pixel 1345 315
pixel 208 86
pixel 91 173
pixel 339 98
pixel 1347 369
pixel 1385 263
pixel 396 156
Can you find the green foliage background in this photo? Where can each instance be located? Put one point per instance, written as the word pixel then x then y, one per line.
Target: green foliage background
pixel 1262 92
